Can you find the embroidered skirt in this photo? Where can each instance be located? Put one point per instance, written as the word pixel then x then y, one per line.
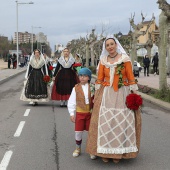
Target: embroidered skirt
pixel 114 130
pixel 64 83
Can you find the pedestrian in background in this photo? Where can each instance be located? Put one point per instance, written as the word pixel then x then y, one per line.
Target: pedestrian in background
pixel 14 61
pixel 155 62
pixel 49 64
pixel 21 60
pixel 78 62
pixel 146 64
pixel 9 59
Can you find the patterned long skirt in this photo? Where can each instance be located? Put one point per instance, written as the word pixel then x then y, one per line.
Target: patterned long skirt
pixel 114 130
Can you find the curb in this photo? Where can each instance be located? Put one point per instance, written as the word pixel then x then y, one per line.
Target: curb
pixel 160 103
pixel 150 99
pixel 11 76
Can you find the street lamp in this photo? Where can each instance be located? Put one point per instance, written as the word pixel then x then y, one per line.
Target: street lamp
pixel 17 3
pixel 32 38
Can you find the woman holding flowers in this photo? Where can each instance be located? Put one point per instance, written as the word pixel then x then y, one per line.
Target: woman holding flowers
pixel 114 129
pixel 64 78
pixel 35 88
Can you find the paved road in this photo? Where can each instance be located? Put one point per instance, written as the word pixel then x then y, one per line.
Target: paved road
pixel 46 139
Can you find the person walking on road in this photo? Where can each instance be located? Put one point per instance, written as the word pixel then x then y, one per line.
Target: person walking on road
pixel 155 62
pixel 9 59
pixel 146 64
pixel 114 130
pixel 64 78
pixel 35 89
pixel 21 60
pixel 80 101
pixel 49 65
pixel 14 61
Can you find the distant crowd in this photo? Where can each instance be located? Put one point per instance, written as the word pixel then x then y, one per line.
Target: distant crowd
pixel 12 60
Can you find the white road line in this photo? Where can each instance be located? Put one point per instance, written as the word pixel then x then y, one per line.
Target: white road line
pixel 5 160
pixel 27 112
pixel 19 130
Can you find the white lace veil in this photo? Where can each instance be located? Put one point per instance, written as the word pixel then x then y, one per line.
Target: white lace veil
pixel 31 58
pixel 62 61
pixel 120 49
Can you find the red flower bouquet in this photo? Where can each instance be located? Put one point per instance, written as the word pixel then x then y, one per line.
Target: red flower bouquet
pixel 46 79
pixel 50 68
pixel 77 65
pixel 133 101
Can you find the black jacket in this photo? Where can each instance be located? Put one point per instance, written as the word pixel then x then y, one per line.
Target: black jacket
pixel 155 59
pixel 146 62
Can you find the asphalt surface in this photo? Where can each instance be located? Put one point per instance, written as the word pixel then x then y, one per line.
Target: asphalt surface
pixel 46 141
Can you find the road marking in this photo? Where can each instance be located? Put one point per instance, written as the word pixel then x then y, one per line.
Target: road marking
pixel 19 129
pixel 5 160
pixel 27 112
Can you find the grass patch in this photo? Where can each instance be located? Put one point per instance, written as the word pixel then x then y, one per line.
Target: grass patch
pixel 162 95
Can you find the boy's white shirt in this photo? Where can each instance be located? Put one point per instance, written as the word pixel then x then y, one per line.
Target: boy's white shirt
pixel 72 100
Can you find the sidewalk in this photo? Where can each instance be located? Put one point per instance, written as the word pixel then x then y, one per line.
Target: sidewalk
pixel 6 74
pixel 153 82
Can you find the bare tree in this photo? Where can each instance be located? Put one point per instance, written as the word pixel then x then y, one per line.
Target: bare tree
pixel 136 33
pixel 164 26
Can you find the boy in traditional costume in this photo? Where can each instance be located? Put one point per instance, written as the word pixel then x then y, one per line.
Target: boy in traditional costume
pixel 80 101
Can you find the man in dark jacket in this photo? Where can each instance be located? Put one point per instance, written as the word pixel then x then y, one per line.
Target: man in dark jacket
pixel 146 64
pixel 155 62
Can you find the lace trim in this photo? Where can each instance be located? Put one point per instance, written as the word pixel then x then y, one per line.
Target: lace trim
pixel 116 150
pixel 133 87
pixel 31 96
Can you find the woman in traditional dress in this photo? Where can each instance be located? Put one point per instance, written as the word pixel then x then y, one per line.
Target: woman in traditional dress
pixel 114 129
pixel 64 78
pixel 78 62
pixel 49 65
pixel 35 88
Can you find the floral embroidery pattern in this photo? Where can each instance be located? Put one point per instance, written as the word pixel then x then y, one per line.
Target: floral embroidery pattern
pixel 119 69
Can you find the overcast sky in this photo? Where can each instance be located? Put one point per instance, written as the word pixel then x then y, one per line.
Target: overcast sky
pixel 64 20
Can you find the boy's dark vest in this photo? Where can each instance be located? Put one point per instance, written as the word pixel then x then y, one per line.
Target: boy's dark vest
pixel 81 106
